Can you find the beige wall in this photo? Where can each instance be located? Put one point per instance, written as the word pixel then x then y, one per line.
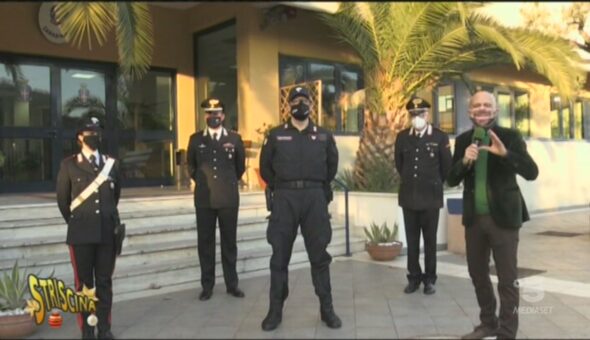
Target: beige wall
pixel 173 49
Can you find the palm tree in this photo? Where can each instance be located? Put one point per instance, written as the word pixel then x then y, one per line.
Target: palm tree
pixel 133 29
pixel 406 46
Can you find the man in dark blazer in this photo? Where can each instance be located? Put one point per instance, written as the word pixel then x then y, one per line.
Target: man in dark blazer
pixel 423 160
pixel 216 161
pixel 91 222
pixel 487 159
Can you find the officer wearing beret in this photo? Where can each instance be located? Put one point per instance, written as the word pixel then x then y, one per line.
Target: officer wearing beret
pixel 216 161
pixel 423 160
pixel 298 161
pixel 91 221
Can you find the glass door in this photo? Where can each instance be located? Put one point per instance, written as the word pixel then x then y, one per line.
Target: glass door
pixel 83 94
pixel 27 127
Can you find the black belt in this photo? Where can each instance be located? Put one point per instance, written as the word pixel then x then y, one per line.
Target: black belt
pixel 298 185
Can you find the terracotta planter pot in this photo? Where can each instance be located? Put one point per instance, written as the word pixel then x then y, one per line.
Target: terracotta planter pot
pixel 16 326
pixel 384 252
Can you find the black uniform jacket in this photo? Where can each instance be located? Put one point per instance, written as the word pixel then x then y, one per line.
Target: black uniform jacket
pixel 423 164
pixel 216 167
pixel 94 220
pixel 290 155
pixel 507 206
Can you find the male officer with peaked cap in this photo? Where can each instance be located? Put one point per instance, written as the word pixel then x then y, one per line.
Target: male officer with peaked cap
pixel 216 161
pixel 423 160
pixel 298 161
pixel 91 221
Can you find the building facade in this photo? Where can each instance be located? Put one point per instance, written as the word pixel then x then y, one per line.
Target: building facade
pixel 243 53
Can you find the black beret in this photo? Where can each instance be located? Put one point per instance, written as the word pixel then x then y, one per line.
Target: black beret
pixel 416 105
pixel 298 91
pixel 212 104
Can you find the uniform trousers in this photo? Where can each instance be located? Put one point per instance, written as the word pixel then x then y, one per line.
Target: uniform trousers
pixel 481 238
pixel 93 267
pixel 417 222
pixel 290 209
pixel 228 222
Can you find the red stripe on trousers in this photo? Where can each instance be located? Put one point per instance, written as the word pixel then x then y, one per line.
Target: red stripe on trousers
pixel 76 281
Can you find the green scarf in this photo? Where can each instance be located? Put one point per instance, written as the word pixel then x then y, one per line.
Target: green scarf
pixel 481 178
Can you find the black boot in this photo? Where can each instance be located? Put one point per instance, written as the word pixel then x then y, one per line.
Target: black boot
pixel 329 316
pixel 412 287
pixel 273 318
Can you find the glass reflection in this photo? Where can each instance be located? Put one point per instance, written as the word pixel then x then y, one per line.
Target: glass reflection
pixel 24 95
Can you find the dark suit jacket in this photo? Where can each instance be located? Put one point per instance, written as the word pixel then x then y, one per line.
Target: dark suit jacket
pixel 94 220
pixel 507 206
pixel 423 164
pixel 216 168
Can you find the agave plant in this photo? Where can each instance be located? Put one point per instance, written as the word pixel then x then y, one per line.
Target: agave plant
pixel 13 289
pixel 381 234
pixel 408 46
pixel 133 29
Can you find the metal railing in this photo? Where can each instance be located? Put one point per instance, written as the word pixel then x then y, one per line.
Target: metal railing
pixel 346 225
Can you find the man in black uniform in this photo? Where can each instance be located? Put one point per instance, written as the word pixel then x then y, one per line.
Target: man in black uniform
pixel 298 161
pixel 91 221
pixel 216 161
pixel 423 160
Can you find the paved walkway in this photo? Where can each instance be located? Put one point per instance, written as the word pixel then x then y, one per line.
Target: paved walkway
pixel 369 298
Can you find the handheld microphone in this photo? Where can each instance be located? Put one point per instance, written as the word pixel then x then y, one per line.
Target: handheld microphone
pixel 478 135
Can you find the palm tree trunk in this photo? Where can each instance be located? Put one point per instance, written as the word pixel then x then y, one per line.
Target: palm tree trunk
pixel 384 119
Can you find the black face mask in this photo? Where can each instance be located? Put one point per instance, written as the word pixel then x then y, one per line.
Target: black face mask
pixel 93 142
pixel 300 111
pixel 214 122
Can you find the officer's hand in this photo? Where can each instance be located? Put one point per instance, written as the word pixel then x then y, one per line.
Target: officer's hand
pixel 470 154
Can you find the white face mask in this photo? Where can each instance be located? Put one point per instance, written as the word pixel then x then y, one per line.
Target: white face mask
pixel 418 123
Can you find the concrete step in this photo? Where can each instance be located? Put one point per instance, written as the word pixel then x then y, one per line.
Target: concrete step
pixel 18 212
pixel 36 240
pixel 251 237
pixel 179 271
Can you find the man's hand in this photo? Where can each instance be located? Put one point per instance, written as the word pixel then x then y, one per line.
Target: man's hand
pixel 470 154
pixel 497 148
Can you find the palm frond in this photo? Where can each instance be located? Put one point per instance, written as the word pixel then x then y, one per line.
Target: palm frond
pixel 85 20
pixel 134 37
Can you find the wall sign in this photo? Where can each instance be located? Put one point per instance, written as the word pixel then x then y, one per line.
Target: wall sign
pixel 48 23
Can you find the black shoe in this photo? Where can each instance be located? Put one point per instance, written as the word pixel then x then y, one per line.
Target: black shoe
pixel 206 294
pixel 105 335
pixel 412 287
pixel 236 292
pixel 480 332
pixel 429 288
pixel 88 333
pixel 330 318
pixel 272 320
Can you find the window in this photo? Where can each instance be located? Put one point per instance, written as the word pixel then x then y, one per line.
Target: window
pixel 567 118
pixel 522 112
pixel 578 120
pixel 445 108
pixel 216 70
pixel 342 104
pixel 146 119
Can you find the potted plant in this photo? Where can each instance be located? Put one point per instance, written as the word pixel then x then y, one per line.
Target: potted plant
pixel 15 322
pixel 382 243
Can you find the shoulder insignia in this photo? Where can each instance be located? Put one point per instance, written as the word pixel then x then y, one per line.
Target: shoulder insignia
pixel 79 158
pixel 286 126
